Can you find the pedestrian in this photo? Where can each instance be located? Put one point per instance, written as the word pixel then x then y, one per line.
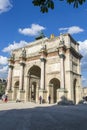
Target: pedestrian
pixel 40 98
pixel 49 99
pixel 6 98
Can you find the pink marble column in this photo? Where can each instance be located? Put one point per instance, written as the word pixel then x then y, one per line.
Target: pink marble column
pixel 21 80
pixel 9 83
pixel 62 71
pixel 42 86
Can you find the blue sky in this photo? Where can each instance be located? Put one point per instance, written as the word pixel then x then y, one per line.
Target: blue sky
pixel 20 21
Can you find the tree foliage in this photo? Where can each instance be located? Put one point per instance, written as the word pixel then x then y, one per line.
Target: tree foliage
pixel 2 89
pixel 45 5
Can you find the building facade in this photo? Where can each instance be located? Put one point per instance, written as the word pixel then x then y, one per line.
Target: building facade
pixel 47 66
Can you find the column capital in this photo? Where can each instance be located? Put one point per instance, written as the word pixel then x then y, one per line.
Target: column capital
pixel 11 60
pixel 43 59
pixel 62 56
pixel 43 51
pixel 11 66
pixel 61 49
pixel 62 46
pixel 22 63
pixel 22 58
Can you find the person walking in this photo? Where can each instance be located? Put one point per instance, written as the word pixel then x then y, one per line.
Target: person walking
pixel 49 99
pixel 40 98
pixel 6 98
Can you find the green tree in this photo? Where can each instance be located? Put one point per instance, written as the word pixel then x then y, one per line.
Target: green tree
pixel 2 89
pixel 45 5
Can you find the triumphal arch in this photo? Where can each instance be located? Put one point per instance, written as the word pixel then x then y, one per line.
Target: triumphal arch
pixel 46 66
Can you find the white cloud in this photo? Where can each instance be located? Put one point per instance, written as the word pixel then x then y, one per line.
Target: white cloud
pixel 62 29
pixel 72 30
pixel 3 60
pixel 33 31
pixel 4 69
pixel 83 47
pixel 14 45
pixel 5 5
pixel 83 51
pixel 84 81
pixel 3 72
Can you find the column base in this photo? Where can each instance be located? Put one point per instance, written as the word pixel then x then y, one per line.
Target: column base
pixel 43 94
pixel 9 94
pixel 61 94
pixel 62 97
pixel 21 95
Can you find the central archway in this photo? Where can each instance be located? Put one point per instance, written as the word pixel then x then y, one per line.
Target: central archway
pixel 54 85
pixel 34 83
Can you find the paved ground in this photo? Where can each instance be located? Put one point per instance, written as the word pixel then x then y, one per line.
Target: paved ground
pixel 30 116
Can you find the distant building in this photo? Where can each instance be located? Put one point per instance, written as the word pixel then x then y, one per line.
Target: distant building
pixel 46 66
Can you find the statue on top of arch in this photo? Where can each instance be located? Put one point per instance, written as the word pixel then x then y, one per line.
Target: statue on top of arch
pixel 23 54
pixel 61 39
pixel 12 55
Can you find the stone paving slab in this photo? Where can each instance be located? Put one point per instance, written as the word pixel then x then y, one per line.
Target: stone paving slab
pixel 31 116
pixel 20 105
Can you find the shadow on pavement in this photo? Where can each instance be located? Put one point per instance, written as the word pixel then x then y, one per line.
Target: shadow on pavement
pixel 45 118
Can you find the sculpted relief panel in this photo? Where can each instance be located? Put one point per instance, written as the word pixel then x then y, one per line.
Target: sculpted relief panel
pixel 16 73
pixel 53 68
pixel 34 49
pixel 74 68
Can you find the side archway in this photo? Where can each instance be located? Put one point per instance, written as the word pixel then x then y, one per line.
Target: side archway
pixel 54 85
pixel 16 88
pixel 34 83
